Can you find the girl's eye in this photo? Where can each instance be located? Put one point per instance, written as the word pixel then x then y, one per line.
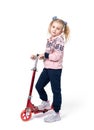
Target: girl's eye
pixel 58 28
pixel 53 26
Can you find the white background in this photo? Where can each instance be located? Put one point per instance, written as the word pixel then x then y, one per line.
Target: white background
pixel 23 31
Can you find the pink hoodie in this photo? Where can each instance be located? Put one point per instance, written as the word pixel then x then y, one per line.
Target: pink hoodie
pixel 55 48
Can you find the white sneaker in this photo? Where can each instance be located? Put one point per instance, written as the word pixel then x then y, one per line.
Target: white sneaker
pixel 44 105
pixel 52 117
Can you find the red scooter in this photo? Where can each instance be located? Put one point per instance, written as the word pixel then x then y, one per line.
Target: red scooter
pixel 26 114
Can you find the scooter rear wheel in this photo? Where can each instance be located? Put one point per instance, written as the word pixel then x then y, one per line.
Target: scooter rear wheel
pixel 25 116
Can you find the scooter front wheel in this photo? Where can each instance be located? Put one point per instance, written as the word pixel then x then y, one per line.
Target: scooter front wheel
pixel 25 116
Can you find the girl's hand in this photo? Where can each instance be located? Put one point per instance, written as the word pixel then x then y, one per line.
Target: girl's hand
pixel 41 56
pixel 33 57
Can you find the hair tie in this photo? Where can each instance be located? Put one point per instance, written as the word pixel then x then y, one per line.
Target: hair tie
pixel 54 18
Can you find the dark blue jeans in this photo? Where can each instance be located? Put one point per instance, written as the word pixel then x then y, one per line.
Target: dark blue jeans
pixel 54 77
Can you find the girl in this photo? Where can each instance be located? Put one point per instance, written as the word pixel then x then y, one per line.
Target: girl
pixel 53 58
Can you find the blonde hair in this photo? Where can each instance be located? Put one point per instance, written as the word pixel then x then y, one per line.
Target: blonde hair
pixel 65 27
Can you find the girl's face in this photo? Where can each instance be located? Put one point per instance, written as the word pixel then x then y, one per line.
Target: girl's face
pixel 56 29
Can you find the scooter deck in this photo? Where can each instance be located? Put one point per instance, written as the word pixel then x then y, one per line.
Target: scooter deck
pixel 34 109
